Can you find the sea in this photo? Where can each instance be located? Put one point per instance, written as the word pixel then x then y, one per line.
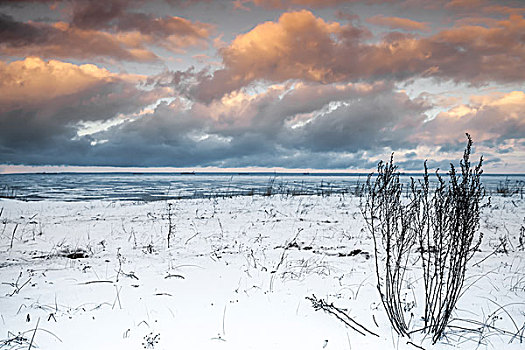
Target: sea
pixel 164 186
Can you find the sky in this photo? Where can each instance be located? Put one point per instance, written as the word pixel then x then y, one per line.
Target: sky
pixel 293 85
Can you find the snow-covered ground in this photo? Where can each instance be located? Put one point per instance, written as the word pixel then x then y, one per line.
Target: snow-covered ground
pixel 100 275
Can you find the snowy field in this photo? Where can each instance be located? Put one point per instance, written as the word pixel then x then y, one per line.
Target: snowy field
pixel 236 274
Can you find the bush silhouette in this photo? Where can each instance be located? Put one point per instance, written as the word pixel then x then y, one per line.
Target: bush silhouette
pixel 438 225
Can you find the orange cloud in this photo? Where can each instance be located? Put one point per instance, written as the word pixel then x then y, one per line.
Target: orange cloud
pixel 479 54
pixel 297 46
pixel 302 46
pixel 33 80
pixel 269 42
pixel 398 23
pixel 494 117
pixel 46 86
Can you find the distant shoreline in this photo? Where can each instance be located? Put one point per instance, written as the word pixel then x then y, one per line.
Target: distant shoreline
pixel 265 173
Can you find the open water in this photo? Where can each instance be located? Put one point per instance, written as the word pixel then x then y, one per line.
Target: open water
pixel 161 186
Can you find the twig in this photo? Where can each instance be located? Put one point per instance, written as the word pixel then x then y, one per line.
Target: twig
pixel 15 285
pixel 13 237
pixel 481 324
pixel 170 225
pixel 500 307
pixel 33 337
pixel 192 237
pixel 97 281
pixel 491 254
pixel 320 304
pixel 48 332
pixel 223 319
pixel 117 298
pixel 417 346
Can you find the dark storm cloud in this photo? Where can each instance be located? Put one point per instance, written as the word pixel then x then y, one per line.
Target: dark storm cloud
pixel 381 120
pixel 116 15
pixel 21 34
pixel 282 127
pixel 97 14
pixel 453 5
pixel 46 40
pixel 293 125
pixel 41 112
pixel 297 92
pixel 96 29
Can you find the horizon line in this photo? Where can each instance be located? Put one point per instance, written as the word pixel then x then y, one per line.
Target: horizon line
pixel 229 172
pixel 67 169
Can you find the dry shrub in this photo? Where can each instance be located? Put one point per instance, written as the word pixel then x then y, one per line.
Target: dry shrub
pixel 439 224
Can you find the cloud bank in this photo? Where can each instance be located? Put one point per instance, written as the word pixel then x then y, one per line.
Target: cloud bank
pixel 298 90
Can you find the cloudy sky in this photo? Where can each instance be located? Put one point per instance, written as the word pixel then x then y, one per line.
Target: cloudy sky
pixel 260 84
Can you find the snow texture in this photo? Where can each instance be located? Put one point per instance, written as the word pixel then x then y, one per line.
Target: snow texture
pixel 99 275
